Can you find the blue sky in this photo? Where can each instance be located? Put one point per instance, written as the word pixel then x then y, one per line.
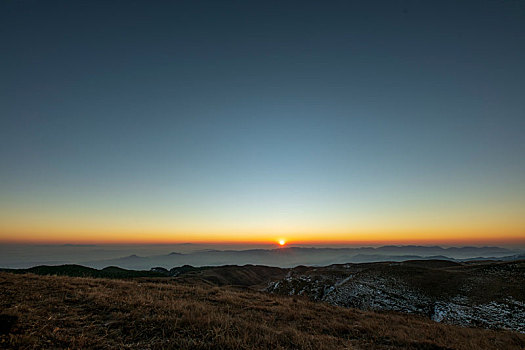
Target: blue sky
pixel 253 117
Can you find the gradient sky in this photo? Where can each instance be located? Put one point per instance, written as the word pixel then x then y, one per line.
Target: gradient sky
pixel 248 121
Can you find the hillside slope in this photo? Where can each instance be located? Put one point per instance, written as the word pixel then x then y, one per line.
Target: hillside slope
pixel 72 312
pixel 486 294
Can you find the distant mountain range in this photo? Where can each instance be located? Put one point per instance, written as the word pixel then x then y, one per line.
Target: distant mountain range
pixel 295 256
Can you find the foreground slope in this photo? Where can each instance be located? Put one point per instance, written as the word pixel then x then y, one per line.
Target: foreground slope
pixel 57 311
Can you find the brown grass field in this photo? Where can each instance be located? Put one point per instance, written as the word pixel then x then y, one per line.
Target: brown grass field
pixel 78 313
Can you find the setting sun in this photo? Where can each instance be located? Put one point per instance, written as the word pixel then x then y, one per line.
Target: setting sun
pixel 282 242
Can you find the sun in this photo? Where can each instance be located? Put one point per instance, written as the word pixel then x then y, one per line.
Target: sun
pixel 282 242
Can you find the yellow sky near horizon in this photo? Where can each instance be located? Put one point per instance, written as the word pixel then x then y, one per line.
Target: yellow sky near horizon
pixel 463 235
pixel 385 221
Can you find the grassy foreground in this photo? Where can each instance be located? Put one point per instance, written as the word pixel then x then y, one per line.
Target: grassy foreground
pixel 71 312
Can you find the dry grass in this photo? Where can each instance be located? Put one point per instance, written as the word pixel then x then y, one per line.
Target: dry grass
pixel 70 312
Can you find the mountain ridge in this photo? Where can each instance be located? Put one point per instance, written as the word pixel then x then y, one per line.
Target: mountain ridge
pixel 287 257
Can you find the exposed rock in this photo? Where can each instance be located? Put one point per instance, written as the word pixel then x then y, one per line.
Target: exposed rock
pixel 382 287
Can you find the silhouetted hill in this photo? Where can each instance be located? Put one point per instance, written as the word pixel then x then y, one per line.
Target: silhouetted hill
pixel 82 271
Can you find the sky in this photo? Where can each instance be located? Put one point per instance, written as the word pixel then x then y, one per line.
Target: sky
pixel 254 121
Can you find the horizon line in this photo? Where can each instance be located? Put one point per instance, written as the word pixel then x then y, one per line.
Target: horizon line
pixel 422 242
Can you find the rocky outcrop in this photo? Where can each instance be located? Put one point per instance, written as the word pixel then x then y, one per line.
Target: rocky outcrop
pixel 381 287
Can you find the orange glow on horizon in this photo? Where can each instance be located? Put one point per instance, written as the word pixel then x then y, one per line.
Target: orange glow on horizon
pixel 261 238
pixel 458 228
